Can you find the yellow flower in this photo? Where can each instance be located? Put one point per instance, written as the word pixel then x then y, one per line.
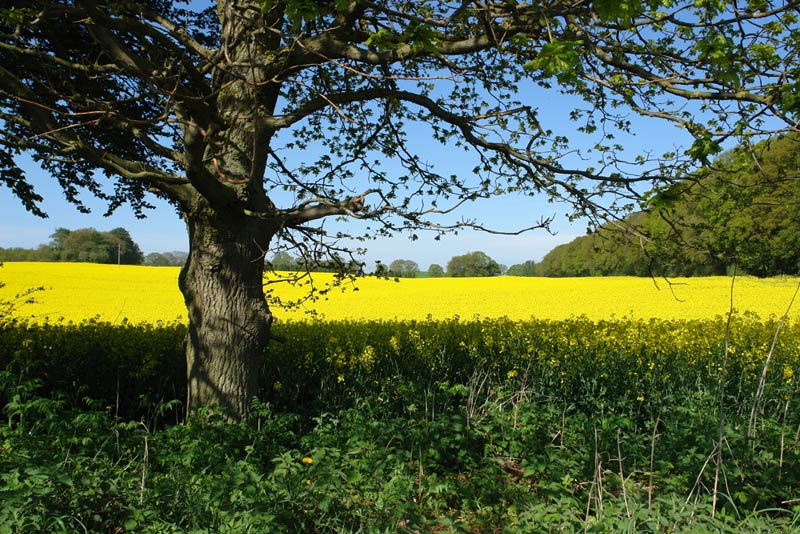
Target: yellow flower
pixel 367 356
pixel 307 460
pixel 78 291
pixel 788 373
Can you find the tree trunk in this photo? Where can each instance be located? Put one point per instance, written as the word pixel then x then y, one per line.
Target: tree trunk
pixel 229 320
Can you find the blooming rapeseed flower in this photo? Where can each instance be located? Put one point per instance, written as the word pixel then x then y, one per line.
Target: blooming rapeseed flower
pixel 77 291
pixel 788 373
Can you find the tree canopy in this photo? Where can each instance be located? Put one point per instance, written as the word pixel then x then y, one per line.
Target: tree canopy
pixel 403 268
pixel 435 271
pixel 283 261
pixel 127 88
pixel 527 268
pixel 472 264
pixel 260 119
pixel 742 213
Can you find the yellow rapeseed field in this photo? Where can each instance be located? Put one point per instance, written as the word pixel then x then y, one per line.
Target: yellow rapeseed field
pixel 75 291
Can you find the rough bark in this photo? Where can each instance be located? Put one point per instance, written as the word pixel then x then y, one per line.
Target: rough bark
pixel 229 320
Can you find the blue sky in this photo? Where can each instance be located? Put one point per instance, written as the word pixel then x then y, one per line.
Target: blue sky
pixel 163 230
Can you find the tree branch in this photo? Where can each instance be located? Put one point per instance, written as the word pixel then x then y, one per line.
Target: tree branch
pixel 40 119
pixel 320 208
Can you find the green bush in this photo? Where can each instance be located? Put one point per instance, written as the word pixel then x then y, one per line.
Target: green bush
pixel 130 367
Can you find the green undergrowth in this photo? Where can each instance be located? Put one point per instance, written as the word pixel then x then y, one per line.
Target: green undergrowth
pixel 451 426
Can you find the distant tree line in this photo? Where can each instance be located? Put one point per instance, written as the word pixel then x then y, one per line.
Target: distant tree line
pixel 528 268
pixel 166 259
pixel 472 264
pixel 41 253
pixel 283 261
pixel 82 245
pixel 477 264
pixel 742 212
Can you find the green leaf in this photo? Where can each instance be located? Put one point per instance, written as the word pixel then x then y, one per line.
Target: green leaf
pixel 620 11
pixel 17 15
pixel 560 59
pixel 383 39
pixel 704 147
pixel 664 198
pixel 420 36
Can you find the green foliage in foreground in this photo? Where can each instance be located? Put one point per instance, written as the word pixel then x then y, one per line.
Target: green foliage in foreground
pixel 481 426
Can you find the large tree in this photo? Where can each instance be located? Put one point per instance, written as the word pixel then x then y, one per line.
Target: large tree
pixel 473 264
pixel 222 111
pixel 403 268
